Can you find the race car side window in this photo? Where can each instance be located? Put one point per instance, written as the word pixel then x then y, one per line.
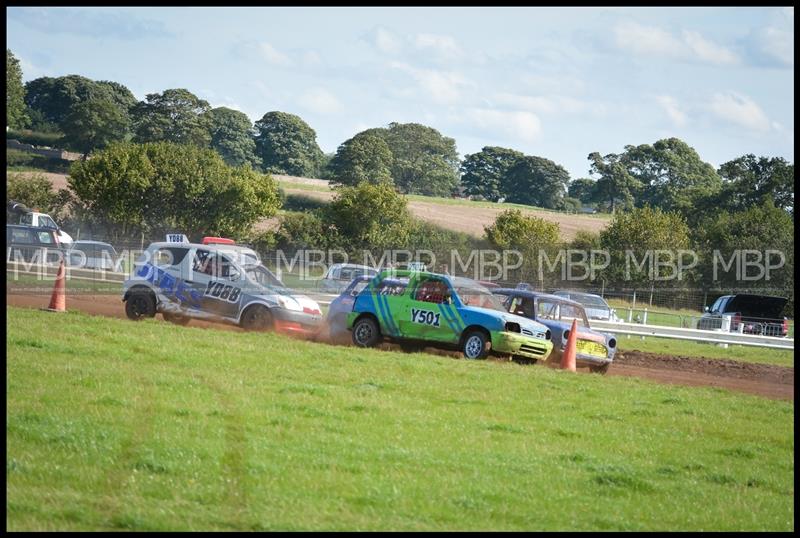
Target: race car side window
pixel 202 262
pixel 432 290
pixel 169 257
pixel 390 287
pixel 225 268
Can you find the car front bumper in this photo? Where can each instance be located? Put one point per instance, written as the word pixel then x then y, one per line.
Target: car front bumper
pixel 297 323
pixel 519 344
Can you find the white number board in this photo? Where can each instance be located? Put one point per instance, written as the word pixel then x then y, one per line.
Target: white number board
pixel 177 238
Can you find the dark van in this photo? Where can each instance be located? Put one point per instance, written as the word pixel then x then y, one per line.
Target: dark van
pixel 749 314
pixel 32 244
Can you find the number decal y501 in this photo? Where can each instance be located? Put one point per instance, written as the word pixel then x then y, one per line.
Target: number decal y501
pixel 425 317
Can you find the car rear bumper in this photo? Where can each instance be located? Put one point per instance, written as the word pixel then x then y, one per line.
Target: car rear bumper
pixel 519 344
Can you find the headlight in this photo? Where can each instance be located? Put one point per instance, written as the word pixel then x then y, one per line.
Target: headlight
pixel 289 303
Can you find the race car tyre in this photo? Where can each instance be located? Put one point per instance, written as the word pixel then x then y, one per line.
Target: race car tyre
pixel 177 319
pixel 256 318
pixel 140 305
pixel 600 369
pixel 474 345
pixel 366 332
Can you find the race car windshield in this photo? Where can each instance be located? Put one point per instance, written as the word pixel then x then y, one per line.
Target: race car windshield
pixel 482 298
pixel 263 276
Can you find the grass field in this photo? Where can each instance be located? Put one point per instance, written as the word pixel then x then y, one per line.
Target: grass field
pixel 148 426
pixel 685 348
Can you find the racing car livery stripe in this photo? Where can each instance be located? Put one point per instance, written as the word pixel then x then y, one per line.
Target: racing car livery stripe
pixel 379 311
pixel 451 323
pixel 393 327
pixel 453 313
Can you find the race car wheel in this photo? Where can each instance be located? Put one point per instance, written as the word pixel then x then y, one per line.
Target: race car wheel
pixel 600 369
pixel 177 319
pixel 140 305
pixel 474 345
pixel 256 318
pixel 366 332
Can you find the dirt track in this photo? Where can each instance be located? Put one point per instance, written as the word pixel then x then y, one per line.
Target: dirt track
pixel 770 381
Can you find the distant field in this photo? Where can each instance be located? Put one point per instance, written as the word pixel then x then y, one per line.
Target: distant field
pixel 452 213
pixel 445 212
pixel 114 425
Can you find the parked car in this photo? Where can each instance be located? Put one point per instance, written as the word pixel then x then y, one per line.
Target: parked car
pixel 340 275
pixel 594 349
pixel 29 217
pixel 92 255
pixel 596 307
pixel 33 244
pixel 433 309
pixel 215 280
pixel 748 313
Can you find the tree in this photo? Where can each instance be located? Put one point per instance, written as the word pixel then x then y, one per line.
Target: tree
pixel 584 189
pixel 95 124
pixel 536 181
pixel 232 136
pixel 365 157
pixel 175 115
pixel 531 236
pixel 36 191
pixel 369 217
pixel 162 186
pixel 287 145
pixel 424 162
pixel 757 228
pixel 633 236
pixel 16 116
pixel 484 173
pixel 672 174
pixel 749 180
pixel 52 99
pixel 615 184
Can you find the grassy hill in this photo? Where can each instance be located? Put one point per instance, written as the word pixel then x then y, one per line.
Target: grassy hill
pixel 117 425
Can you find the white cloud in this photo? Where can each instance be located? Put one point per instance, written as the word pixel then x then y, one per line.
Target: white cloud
pixel 510 125
pixel 387 42
pixel 708 51
pixel 445 47
pixel 673 109
pixel 772 46
pixel 311 58
pixel 653 41
pixel 549 104
pixel 740 110
pixel 442 87
pixel 321 101
pixel 273 55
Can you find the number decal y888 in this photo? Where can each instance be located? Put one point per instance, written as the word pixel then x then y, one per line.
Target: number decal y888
pixel 426 317
pixel 220 290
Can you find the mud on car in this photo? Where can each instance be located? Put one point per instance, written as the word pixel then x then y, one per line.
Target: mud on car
pixel 214 280
pixel 417 309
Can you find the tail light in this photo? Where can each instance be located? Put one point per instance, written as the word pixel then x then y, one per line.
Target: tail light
pixel 313 311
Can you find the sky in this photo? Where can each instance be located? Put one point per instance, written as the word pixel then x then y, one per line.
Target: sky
pixel 558 83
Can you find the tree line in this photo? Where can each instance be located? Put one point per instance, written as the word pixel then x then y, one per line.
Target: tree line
pixel 413 158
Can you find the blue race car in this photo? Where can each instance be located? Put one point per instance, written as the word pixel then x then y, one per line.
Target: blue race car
pixel 595 350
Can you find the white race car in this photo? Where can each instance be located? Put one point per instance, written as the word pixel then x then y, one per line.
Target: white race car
pixel 215 280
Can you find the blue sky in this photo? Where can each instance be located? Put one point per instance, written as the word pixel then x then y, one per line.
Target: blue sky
pixel 554 82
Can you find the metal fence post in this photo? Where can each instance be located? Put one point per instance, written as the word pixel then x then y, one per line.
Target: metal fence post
pixel 644 319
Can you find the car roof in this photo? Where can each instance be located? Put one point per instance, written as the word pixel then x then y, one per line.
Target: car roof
pixel 90 242
pixel 34 228
pixel 536 295
pixel 583 293
pixel 211 246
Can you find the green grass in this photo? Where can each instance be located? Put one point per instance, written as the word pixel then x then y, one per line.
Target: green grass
pixel 148 426
pixel 685 348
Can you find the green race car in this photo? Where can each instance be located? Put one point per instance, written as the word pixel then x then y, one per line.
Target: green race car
pixel 418 308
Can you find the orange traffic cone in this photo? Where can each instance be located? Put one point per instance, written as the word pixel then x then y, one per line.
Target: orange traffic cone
pixel 568 358
pixel 58 301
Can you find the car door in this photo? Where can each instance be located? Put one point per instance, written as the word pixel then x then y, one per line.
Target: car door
pixel 422 317
pixel 221 281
